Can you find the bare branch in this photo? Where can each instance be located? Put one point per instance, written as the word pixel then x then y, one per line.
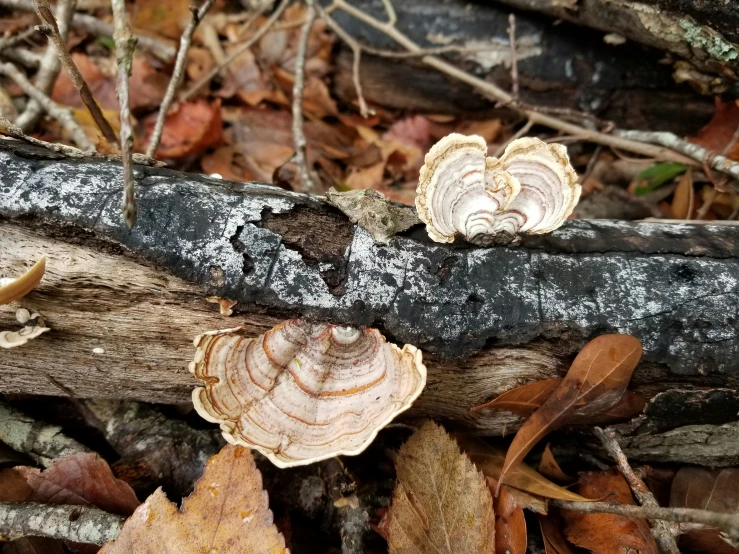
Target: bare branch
pixel 20 37
pixel 298 89
pixel 725 521
pixel 51 30
pixel 693 151
pixel 48 69
pixel 100 28
pixel 662 531
pixel 62 115
pixel 238 51
pixel 83 524
pixel 125 43
pixel 179 67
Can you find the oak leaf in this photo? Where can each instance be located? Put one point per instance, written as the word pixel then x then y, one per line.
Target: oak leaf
pixel 608 533
pixel 716 490
pixel 441 503
pixel 595 382
pixel 227 512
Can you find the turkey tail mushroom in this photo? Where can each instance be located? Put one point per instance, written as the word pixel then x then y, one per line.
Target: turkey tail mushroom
pixel 304 392
pixel 532 188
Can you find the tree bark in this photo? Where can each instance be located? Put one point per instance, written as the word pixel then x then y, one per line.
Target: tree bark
pixel 487 319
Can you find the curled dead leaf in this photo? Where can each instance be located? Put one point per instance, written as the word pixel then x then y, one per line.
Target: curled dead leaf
pixel 595 382
pixel 13 289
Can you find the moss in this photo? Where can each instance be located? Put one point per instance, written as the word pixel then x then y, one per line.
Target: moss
pixel 710 41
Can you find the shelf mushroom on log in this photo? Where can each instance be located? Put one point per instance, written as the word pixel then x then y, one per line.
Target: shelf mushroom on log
pixel 123 305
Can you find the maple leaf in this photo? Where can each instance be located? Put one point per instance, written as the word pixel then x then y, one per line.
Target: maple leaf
pixel 595 382
pixel 227 512
pixel 441 503
pixel 608 533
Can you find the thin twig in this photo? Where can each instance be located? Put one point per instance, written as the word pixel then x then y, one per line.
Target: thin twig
pixel 62 115
pixel 521 132
pixel 205 79
pixel 725 521
pixel 179 67
pixel 663 534
pixel 703 210
pixel 9 42
pixel 84 524
pixel 514 60
pixel 48 69
pixel 125 43
pixel 693 151
pixel 51 30
pixel 493 92
pixel 298 89
pixel 100 28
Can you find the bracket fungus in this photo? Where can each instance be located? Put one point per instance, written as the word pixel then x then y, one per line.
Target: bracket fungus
pixel 304 392
pixel 531 188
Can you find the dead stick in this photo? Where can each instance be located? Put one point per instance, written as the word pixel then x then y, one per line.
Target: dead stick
pixel 514 60
pixel 73 523
pixel 48 69
pixel 298 88
pixel 62 115
pixel 663 534
pixel 51 30
pixel 179 66
pixel 724 521
pixel 125 43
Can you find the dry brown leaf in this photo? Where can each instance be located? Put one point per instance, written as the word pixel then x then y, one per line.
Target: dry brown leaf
pixel 595 382
pixel 18 288
pixel 227 512
pixel 720 130
pixel 82 478
pixel 549 467
pixel 224 162
pixel 165 18
pixel 551 531
pixel 490 459
pixel 441 503
pixel 13 486
pixel 684 198
pixel 608 533
pixel 526 399
pixel 244 78
pixel 489 129
pixel 510 525
pixel 716 490
pixel 190 127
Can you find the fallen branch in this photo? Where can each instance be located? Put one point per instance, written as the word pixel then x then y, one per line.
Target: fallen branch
pixel 83 524
pixel 125 44
pixel 663 534
pixel 297 105
pixel 42 441
pixel 51 30
pixel 62 115
pixel 177 73
pixel 727 522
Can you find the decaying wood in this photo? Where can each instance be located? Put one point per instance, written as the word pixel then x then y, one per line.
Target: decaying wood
pixel 563 66
pixel 124 304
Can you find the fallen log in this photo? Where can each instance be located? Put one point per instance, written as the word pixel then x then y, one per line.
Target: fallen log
pixel 124 305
